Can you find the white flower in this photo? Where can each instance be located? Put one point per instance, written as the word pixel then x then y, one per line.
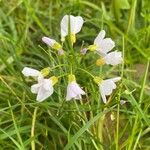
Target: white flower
pixel 106 87
pixel 112 58
pixel 31 72
pixel 53 44
pixel 103 45
pixel 43 89
pixel 73 89
pixel 76 24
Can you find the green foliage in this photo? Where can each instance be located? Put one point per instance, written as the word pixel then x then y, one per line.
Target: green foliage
pixel 54 123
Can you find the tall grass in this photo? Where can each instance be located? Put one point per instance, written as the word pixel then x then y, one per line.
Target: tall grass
pixel 55 123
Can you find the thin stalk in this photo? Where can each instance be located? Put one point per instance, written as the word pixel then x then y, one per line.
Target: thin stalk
pixel 33 129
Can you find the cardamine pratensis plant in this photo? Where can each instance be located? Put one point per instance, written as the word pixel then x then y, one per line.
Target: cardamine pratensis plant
pixel 73 63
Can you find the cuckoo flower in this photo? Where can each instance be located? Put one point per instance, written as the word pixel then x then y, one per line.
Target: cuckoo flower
pixel 106 86
pixel 75 24
pixel 53 44
pixel 102 45
pixel 44 88
pixel 73 89
pixel 112 58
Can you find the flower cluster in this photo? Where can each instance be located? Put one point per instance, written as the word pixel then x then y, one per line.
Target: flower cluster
pixel 70 26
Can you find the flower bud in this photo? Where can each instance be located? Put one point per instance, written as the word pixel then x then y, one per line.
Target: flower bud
pixel 100 62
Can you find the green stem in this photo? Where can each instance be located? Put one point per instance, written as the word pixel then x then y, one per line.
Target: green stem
pixel 86 72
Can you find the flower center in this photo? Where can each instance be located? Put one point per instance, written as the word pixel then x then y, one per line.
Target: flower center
pixel 73 38
pixel 100 62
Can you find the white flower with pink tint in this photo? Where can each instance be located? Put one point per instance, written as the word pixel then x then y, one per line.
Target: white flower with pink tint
pixel 44 88
pixel 106 87
pixel 53 44
pixel 101 44
pixel 73 89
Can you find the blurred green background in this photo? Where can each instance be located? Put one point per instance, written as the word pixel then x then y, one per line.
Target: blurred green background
pixel 22 25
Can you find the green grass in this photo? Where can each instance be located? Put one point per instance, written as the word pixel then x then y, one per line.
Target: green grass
pixel 77 125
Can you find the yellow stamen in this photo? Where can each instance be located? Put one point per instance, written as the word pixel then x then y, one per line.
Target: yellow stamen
pixel 54 79
pixel 97 80
pixel 71 78
pixel 100 62
pixel 45 71
pixel 73 38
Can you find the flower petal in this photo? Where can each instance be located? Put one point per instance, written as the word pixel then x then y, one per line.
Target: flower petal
pixel 70 93
pixel 47 84
pixel 35 88
pixel 107 86
pixel 30 72
pixel 44 94
pixel 75 24
pixel 99 37
pixel 74 91
pixel 48 41
pixel 116 79
pixel 106 45
pixel 113 58
pixel 102 94
pixel 64 26
pixel 78 24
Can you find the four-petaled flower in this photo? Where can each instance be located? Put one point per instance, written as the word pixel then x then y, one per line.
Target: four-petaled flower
pixel 106 86
pixel 102 45
pixel 73 89
pixel 73 23
pixel 44 88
